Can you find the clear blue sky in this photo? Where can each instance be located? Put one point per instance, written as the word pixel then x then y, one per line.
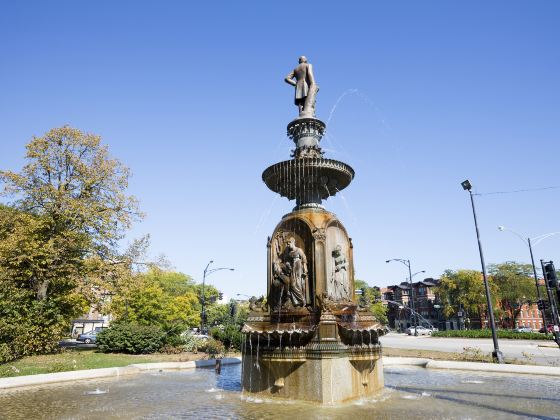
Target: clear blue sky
pixel 190 96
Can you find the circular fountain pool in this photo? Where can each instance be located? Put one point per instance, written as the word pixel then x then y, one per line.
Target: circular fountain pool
pixel 410 392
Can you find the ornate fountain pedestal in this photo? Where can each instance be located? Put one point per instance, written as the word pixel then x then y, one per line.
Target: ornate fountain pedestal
pixel 311 340
pixel 323 369
pixel 326 350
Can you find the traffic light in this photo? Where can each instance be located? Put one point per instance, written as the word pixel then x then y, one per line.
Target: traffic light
pixel 220 296
pixel 550 275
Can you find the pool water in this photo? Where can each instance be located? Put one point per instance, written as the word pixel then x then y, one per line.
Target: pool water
pixel 410 393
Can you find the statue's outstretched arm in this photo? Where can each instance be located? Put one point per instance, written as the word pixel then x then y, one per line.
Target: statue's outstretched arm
pixel 290 79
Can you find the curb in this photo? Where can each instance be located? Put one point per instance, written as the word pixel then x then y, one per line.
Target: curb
pixel 404 361
pixel 75 375
pixel 492 367
pixel 472 366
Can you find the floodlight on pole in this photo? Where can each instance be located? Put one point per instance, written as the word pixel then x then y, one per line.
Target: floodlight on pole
pixel 497 354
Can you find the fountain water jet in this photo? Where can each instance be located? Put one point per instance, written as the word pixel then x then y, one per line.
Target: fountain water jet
pixel 333 351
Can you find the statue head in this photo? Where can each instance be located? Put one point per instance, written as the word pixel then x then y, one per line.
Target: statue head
pixel 292 243
pixel 302 59
pixel 337 250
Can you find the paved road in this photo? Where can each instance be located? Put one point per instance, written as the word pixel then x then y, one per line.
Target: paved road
pixel 540 352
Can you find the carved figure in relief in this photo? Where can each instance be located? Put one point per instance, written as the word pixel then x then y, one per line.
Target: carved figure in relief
pixel 339 279
pixel 290 275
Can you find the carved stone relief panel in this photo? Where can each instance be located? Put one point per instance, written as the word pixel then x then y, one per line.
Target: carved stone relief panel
pixel 290 274
pixel 339 269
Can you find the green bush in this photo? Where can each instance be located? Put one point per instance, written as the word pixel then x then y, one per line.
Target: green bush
pixel 214 348
pixel 125 337
pixel 174 340
pixel 230 336
pixel 487 333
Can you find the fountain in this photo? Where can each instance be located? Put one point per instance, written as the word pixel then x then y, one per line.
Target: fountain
pixel 311 340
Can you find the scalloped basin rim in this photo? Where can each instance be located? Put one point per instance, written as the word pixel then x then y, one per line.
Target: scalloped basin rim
pixel 290 177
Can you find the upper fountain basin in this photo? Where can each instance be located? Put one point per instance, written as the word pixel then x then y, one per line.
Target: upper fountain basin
pixel 298 178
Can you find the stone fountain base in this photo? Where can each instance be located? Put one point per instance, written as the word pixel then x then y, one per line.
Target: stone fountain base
pixel 326 361
pixel 329 380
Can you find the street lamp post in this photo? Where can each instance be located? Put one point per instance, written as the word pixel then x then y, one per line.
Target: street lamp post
pixel 530 242
pixel 497 354
pixel 207 272
pixel 414 318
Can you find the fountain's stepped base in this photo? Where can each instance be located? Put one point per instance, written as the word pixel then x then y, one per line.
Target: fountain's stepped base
pixel 330 357
pixel 329 380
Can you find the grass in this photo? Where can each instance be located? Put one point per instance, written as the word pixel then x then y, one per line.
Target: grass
pixel 468 355
pixel 78 359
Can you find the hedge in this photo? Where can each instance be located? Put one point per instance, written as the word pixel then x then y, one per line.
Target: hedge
pixel 487 333
pixel 124 337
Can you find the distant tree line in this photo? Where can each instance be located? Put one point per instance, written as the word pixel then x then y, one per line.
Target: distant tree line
pixel 511 284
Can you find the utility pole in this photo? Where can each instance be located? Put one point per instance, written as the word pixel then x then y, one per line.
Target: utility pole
pixel 497 354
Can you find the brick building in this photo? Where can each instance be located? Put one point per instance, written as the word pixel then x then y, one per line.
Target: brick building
pixel 397 298
pixel 430 310
pixel 529 316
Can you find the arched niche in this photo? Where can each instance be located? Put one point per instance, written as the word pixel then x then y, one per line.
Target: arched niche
pixel 282 265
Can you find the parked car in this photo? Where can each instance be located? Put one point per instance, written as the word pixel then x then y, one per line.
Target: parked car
pixel 88 338
pixel 523 329
pixel 421 330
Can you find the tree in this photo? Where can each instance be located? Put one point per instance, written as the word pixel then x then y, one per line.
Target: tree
pixel 71 194
pixel 463 289
pixel 218 314
pixel 28 325
pixel 58 237
pixel 373 295
pixel 515 287
pixel 157 297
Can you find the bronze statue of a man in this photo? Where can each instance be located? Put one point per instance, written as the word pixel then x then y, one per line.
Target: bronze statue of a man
pixel 306 88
